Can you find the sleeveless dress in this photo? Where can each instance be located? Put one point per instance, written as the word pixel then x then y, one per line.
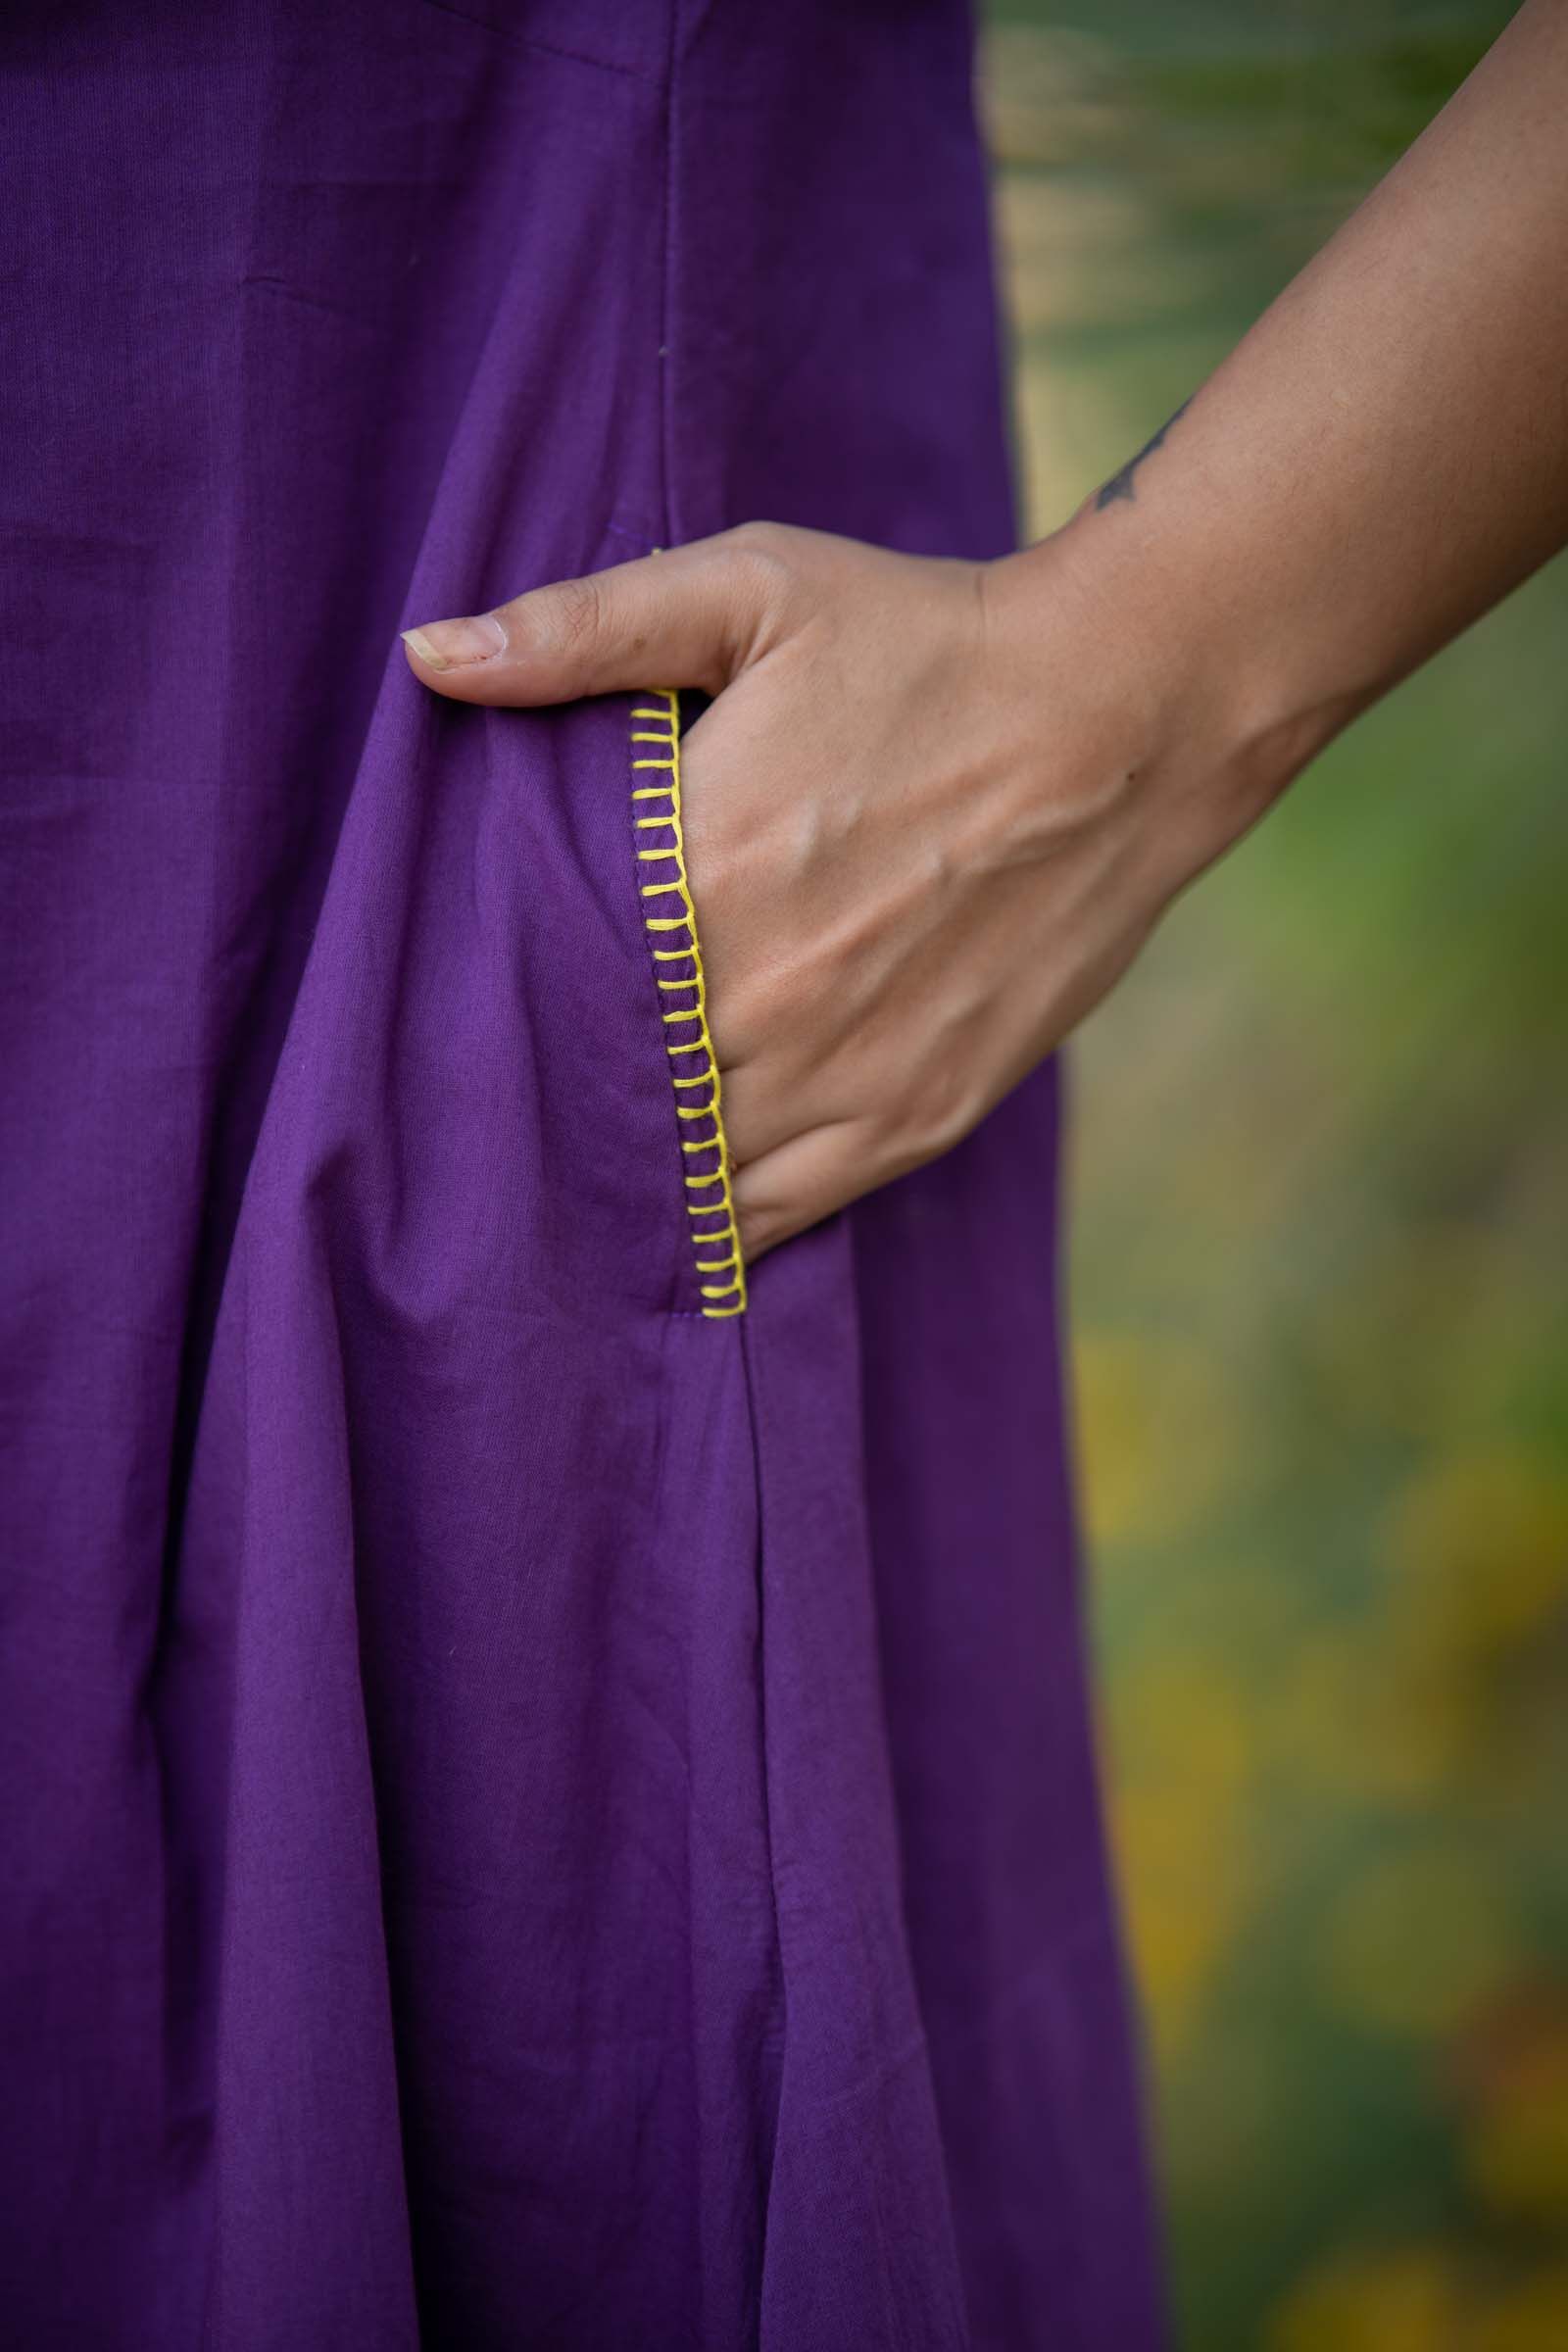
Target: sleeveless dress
pixel 548 1801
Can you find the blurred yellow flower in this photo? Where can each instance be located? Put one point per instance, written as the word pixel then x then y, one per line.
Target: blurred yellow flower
pixel 1158 1423
pixel 1517 2154
pixel 1348 1719
pixel 1408 2301
pixel 1183 1763
pixel 1531 2316
pixel 1419 1939
pixel 1473 1630
pixel 1477 1551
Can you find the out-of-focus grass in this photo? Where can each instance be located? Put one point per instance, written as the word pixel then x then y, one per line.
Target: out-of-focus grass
pixel 1320 1294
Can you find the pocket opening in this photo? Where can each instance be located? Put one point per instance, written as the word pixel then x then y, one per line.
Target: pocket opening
pixel 670 922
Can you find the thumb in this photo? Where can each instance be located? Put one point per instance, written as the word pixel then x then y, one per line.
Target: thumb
pixel 688 616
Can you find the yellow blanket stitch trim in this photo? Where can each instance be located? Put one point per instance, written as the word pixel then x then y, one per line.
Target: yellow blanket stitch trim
pixel 670 922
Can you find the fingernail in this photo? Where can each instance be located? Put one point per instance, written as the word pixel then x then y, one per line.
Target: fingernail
pixel 448 644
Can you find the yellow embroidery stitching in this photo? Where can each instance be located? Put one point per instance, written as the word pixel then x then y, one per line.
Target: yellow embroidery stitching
pixel 720 1298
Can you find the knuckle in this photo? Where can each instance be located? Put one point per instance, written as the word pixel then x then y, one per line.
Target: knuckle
pixel 765 556
pixel 759 536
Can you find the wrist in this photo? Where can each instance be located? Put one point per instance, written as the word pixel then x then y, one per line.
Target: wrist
pixel 1202 693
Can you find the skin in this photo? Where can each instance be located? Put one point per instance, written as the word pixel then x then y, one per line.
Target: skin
pixel 935 809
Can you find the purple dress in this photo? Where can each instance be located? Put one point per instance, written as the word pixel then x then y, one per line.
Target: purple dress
pixel 532 1814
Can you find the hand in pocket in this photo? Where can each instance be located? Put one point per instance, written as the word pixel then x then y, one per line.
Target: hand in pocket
pixel 931 812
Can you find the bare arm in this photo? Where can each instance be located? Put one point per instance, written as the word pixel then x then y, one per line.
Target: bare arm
pixel 936 808
pixel 1385 455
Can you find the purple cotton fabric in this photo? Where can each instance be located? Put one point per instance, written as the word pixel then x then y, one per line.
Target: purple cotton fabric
pixel 530 1818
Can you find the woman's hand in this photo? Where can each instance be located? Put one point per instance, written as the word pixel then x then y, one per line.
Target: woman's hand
pixel 929 819
pixel 935 807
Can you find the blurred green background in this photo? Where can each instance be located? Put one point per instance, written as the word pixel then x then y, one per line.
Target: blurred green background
pixel 1320 1293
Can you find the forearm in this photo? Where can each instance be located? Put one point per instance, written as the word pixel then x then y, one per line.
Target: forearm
pixel 1384 455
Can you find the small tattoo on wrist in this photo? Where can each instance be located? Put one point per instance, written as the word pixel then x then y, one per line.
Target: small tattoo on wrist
pixel 1120 484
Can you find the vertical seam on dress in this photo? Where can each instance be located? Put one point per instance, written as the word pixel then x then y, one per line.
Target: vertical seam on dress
pixel 715 1232
pixel 667 317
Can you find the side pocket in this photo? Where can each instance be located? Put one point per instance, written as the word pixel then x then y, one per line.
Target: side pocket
pixel 670 922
